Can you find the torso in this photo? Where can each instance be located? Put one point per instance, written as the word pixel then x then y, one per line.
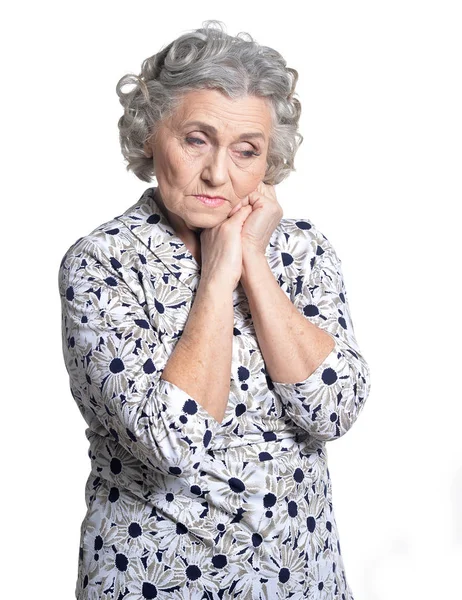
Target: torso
pixel 194 247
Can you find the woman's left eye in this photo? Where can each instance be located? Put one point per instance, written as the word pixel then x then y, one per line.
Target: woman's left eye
pixel 248 153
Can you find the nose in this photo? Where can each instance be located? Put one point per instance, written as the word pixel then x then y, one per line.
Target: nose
pixel 215 169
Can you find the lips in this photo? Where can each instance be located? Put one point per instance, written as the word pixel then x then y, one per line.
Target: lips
pixel 210 197
pixel 211 201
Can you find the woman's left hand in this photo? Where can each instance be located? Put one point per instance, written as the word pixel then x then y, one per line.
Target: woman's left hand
pixel 262 221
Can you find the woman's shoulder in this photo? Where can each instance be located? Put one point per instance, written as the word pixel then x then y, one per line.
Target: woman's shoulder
pixel 108 239
pixel 297 236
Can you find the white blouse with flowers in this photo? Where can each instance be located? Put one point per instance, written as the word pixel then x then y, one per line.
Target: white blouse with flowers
pixel 180 506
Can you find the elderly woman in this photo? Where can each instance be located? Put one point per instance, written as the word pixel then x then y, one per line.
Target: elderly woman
pixel 209 345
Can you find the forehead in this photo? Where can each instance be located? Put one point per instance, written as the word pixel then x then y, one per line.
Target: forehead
pixel 224 116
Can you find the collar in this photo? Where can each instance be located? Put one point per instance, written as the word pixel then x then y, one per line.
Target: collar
pixel 147 222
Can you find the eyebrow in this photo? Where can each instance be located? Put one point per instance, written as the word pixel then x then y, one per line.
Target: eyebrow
pixel 210 129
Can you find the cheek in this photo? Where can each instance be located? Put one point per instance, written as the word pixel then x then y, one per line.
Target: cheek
pixel 173 165
pixel 247 182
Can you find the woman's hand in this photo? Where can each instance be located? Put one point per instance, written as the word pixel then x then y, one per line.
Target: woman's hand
pixel 262 221
pixel 244 234
pixel 221 249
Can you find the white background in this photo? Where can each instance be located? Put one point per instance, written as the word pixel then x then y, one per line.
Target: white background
pixel 379 173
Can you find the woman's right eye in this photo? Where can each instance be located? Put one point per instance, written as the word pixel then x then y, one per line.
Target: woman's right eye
pixel 193 141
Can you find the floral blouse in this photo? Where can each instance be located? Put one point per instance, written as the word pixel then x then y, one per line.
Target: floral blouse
pixel 180 506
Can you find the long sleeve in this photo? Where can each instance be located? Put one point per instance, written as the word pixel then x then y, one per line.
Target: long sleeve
pixel 328 402
pixel 115 357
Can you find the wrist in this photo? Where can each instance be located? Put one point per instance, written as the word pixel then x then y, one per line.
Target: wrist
pixel 216 285
pixel 254 264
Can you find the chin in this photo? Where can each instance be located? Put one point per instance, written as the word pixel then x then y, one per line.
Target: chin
pixel 205 223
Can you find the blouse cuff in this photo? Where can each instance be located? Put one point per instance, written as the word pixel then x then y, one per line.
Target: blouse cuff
pixel 326 373
pixel 186 415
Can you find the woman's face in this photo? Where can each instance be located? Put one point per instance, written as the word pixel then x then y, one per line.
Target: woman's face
pixel 212 146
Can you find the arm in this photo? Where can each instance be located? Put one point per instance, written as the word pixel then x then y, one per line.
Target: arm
pixel 115 361
pixel 309 346
pixel 291 345
pixel 205 347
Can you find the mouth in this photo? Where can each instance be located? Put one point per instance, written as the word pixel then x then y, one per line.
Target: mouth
pixel 210 197
pixel 210 200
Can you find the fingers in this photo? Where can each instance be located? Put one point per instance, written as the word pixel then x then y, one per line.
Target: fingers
pixel 242 203
pixel 235 209
pixel 242 214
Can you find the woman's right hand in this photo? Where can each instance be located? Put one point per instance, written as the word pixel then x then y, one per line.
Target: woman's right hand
pixel 221 249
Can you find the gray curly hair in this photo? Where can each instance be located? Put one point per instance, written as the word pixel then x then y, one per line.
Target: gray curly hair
pixel 210 58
